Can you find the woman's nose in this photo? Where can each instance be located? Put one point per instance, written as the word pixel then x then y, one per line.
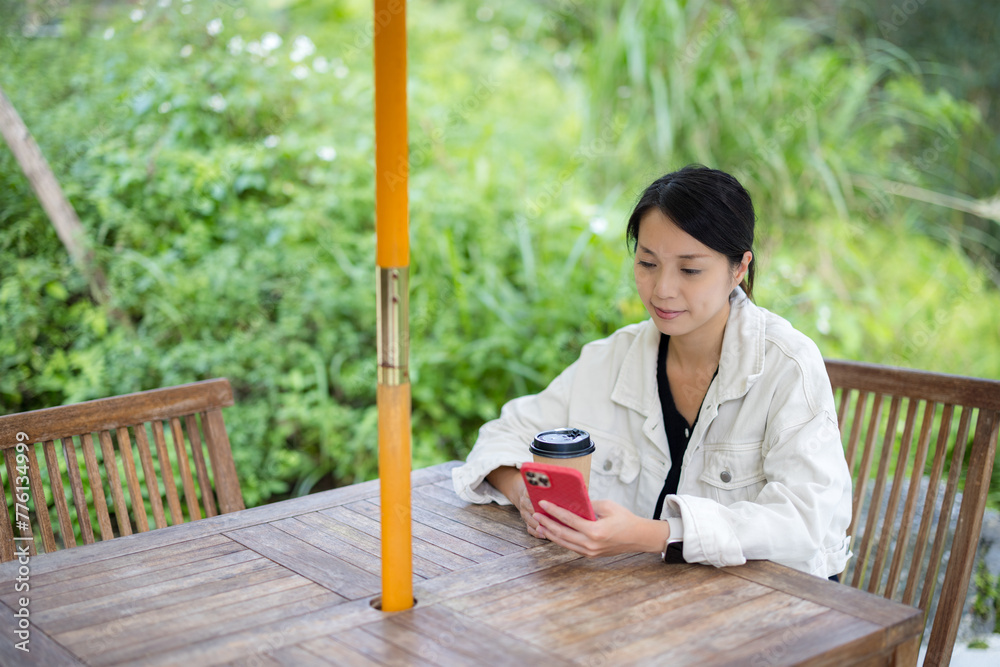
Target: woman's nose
pixel 665 286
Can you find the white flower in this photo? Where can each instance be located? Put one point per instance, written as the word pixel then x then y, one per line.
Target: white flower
pixel 484 13
pixel 164 3
pixel 186 50
pixel 270 41
pixel 253 48
pixel 302 48
pixel 239 13
pixel 217 103
pixel 823 319
pixel 214 27
pixel 562 60
pixel 321 64
pixel 300 71
pixel 109 33
pixel 166 106
pixel 137 15
pixel 341 71
pixel 236 45
pixel 598 224
pixel 186 9
pixel 326 153
pixel 271 141
pixel 500 41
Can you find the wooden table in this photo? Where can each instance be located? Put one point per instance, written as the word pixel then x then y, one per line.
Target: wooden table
pixel 291 583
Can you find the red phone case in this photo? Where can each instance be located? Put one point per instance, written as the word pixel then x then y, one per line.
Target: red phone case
pixel 560 486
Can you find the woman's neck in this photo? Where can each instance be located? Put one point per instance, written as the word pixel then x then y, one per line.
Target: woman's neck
pixel 699 349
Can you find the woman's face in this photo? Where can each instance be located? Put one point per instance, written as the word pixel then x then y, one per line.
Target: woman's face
pixel 684 284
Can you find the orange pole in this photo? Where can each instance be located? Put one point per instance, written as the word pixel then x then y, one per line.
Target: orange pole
pixel 392 260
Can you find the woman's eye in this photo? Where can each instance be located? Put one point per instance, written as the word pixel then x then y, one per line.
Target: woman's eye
pixel 646 265
pixel 691 272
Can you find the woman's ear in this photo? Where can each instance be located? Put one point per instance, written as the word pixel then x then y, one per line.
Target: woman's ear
pixel 741 270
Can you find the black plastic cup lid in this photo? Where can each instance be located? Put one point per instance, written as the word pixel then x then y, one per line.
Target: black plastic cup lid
pixel 562 443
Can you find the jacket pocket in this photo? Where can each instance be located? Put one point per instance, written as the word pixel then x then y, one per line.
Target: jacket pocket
pixel 613 458
pixel 734 472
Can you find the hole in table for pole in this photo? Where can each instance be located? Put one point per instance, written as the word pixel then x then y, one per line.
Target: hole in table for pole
pixel 376 602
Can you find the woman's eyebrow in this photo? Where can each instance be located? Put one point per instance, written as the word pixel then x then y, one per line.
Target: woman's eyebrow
pixel 644 249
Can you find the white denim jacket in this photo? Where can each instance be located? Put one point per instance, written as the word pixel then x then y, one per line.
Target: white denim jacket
pixel 764 475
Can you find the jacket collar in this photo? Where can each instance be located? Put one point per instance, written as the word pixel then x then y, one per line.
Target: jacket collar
pixel 742 360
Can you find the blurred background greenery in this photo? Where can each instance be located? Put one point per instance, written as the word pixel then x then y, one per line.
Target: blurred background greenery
pixel 220 156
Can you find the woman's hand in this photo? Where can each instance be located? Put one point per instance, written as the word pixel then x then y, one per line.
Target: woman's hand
pixel 508 481
pixel 616 530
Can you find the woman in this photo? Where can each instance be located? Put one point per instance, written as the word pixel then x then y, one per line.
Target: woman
pixel 714 419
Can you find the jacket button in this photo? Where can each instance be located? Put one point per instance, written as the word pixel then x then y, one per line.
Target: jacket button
pixel 725 476
pixel 607 466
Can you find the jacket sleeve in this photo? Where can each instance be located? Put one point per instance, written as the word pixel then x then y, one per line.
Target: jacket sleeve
pixel 504 441
pixel 802 512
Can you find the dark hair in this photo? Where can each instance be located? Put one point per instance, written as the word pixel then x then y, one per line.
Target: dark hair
pixel 708 204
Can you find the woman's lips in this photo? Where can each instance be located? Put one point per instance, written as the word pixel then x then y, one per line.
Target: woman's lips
pixel 667 314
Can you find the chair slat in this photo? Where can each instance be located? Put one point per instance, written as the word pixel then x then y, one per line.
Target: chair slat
pixel 889 526
pixel 861 478
pixel 38 494
pixel 940 537
pixel 227 484
pixel 59 496
pixel 114 481
pixel 194 435
pixel 845 400
pixel 927 513
pixel 910 507
pixel 190 496
pixel 859 417
pixel 96 487
pixel 874 508
pixel 79 496
pixel 6 534
pixel 132 478
pixel 167 473
pixel 149 472
pixel 23 527
pixel 970 520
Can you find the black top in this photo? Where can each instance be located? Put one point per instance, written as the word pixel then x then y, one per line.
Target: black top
pixel 677 429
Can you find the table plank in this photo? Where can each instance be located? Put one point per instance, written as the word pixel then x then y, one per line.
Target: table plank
pixel 456 527
pixel 264 633
pixel 431 552
pixel 338 652
pixel 43 651
pixel 902 620
pixel 173 646
pixel 140 627
pixel 362 541
pixel 445 637
pixel 184 589
pixel 174 553
pixel 311 562
pixel 517 535
pixel 430 534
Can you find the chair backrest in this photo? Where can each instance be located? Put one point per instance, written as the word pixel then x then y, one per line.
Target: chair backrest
pixel 28 441
pixel 916 482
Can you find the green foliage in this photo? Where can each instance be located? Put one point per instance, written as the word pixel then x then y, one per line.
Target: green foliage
pixel 987 598
pixel 223 172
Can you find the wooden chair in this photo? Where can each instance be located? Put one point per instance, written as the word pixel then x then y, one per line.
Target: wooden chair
pixel 917 477
pixel 28 440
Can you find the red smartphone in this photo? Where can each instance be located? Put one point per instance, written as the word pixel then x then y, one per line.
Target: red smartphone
pixel 560 486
